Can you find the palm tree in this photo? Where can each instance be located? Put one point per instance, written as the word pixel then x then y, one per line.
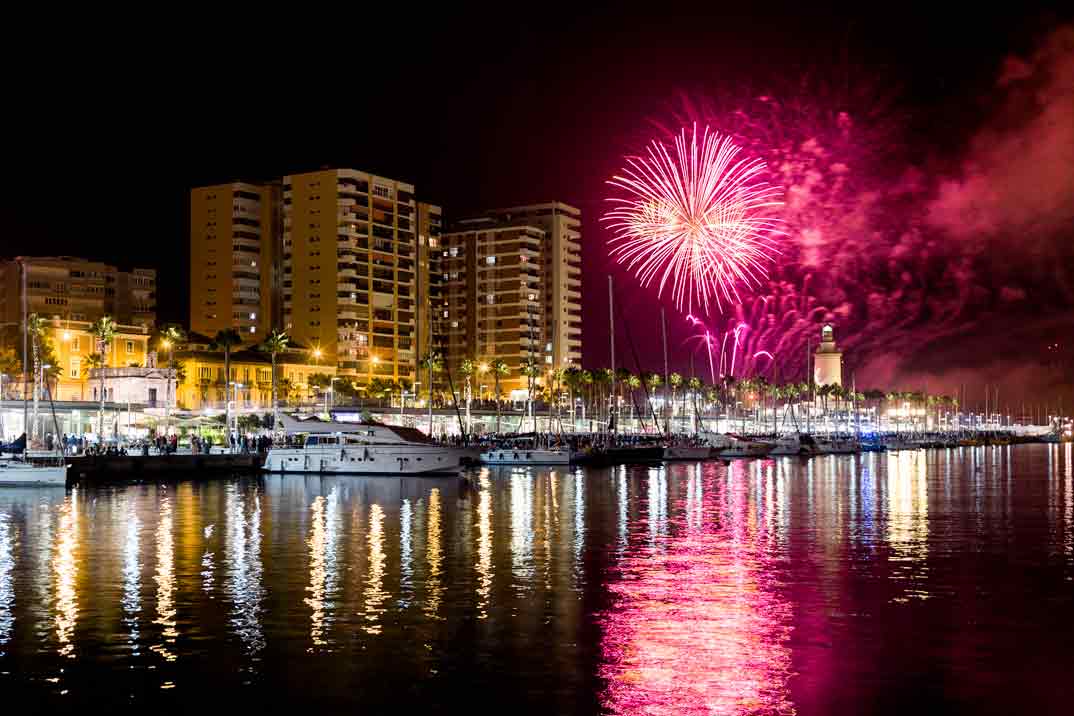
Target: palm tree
pixel 531 369
pixel 586 380
pixel 467 368
pixel 499 368
pixel 225 340
pixel 104 330
pixel 169 337
pixel 274 344
pixel 694 384
pixel 431 362
pixel 572 378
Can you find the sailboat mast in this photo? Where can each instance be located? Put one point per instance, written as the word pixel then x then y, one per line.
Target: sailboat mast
pixel 611 337
pixel 667 386
pixel 25 357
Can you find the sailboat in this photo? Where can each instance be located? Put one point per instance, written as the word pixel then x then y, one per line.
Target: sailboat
pixel 29 466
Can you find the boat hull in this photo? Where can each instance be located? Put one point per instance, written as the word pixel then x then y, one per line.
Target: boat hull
pixel 525 457
pixel 368 460
pixel 33 476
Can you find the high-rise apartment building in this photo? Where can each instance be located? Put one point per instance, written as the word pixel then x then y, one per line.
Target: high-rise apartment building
pixel 74 289
pixel 234 235
pixel 349 262
pixel 512 286
pixel 429 329
pixel 495 297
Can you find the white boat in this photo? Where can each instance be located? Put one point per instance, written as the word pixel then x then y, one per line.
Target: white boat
pixel 360 449
pixel 687 452
pixel 18 473
pixel 525 456
pixel 793 445
pixel 745 448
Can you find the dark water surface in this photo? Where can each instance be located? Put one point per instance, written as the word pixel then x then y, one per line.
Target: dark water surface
pixel 899 583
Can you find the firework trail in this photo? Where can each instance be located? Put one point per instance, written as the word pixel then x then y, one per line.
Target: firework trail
pixel 696 219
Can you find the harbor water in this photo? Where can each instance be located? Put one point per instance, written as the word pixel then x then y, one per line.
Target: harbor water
pixel 881 583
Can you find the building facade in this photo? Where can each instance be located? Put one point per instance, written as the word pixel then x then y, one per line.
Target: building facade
pixel 73 346
pixel 561 274
pixel 77 289
pixel 349 271
pixel 202 384
pixel 495 298
pixel 234 244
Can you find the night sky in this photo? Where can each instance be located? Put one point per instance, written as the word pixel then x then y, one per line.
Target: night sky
pixel 108 128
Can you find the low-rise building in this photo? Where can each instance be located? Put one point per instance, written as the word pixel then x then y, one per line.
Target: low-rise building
pixel 202 384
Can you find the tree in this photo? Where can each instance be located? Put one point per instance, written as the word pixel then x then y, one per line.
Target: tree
pixel 467 368
pixel 572 378
pixel 531 369
pixel 168 338
pixel 694 384
pixel 499 369
pixel 274 344
pixel 225 340
pixel 104 330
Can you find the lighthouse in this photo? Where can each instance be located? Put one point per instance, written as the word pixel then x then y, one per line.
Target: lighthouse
pixel 828 360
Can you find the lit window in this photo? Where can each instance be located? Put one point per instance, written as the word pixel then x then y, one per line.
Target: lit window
pixel 454 324
pixel 253 316
pixel 445 314
pixel 252 329
pixel 454 251
pixel 548 359
pixel 130 346
pixel 490 260
pixel 490 298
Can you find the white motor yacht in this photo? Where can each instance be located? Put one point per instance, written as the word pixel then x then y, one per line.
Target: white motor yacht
pixel 361 449
pixel 796 445
pixel 17 472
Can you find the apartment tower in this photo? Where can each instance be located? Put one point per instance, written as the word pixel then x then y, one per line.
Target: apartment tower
pixel 349 254
pixel 74 289
pixel 234 239
pixel 512 284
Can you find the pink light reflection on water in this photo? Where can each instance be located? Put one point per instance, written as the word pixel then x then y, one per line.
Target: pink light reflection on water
pixel 697 626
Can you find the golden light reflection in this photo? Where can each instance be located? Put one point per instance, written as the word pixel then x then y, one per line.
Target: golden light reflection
pixel 65 572
pixel 405 557
pixel 433 556
pixel 165 579
pixel 316 589
pixel 375 594
pixel 908 525
pixel 522 525
pixel 484 548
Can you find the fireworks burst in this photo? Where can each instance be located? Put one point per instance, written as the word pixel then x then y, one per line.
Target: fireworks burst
pixel 695 218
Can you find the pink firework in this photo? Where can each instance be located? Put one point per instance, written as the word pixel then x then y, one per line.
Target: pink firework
pixel 695 218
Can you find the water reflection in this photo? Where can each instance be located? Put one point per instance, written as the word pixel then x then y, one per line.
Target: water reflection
pixel 630 590
pixel 244 569
pixel 132 573
pixel 165 579
pixel 375 593
pixel 65 572
pixel 697 624
pixel 484 547
pixel 433 556
pixel 7 589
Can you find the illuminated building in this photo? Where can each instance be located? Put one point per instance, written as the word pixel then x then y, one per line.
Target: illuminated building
pixel 494 297
pixel 234 281
pixel 203 384
pixel 349 252
pixel 512 290
pixel 828 360
pixel 72 345
pixel 78 290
